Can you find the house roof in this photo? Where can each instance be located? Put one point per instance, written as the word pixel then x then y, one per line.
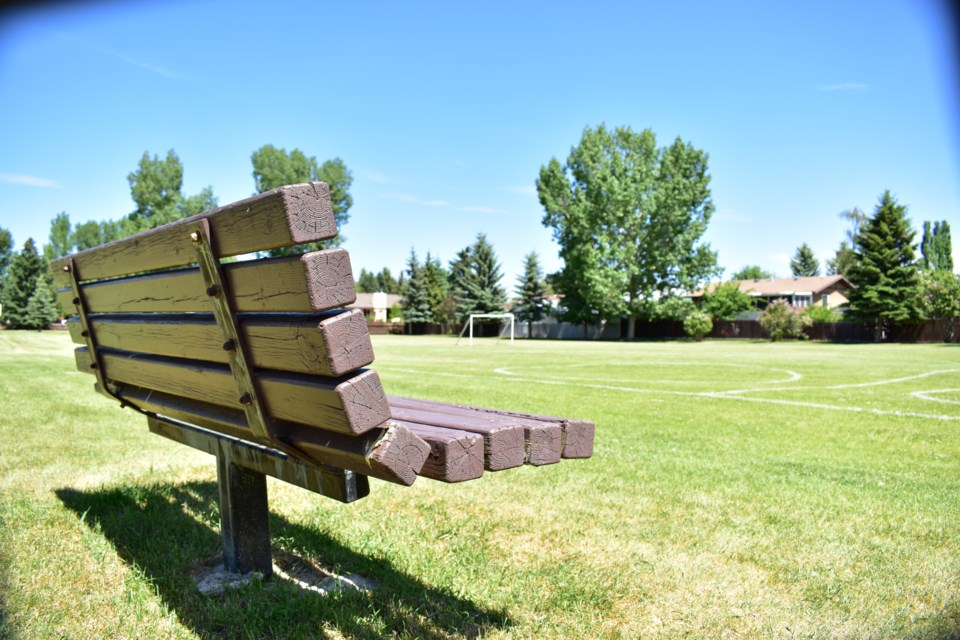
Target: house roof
pixel 367 301
pixel 768 287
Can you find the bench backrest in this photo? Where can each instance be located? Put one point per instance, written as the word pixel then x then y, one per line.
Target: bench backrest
pixel 260 350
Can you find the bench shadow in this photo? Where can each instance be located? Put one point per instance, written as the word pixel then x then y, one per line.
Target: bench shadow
pixel 170 532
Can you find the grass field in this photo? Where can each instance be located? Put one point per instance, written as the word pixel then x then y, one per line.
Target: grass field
pixel 738 490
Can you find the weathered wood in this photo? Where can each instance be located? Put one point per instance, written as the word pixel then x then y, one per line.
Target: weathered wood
pixel 349 405
pixel 578 435
pixel 329 344
pixel 455 456
pixel 543 441
pixel 392 453
pixel 503 444
pixel 339 484
pixel 314 281
pixel 285 216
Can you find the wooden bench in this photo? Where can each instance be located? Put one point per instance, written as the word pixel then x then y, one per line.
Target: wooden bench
pixel 258 363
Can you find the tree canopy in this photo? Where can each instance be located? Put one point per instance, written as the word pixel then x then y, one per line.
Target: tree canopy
pixel 27 294
pixel 885 277
pixel 727 301
pixel 156 187
pixel 751 272
pixel 531 290
pixel 628 217
pixel 416 299
pixel 804 263
pixel 475 279
pixel 273 167
pixel 937 247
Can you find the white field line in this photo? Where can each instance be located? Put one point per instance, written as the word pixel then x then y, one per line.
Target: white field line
pixel 716 395
pixel 928 395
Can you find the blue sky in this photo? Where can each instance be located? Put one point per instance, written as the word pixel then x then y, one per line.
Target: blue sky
pixel 445 112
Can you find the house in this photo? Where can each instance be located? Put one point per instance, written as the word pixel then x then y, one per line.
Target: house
pixel 375 305
pixel 827 291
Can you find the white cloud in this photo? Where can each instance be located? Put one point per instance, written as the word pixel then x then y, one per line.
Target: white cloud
pixel 30 181
pixel 161 71
pixel 406 197
pixel 843 86
pixel 482 210
pixel 376 176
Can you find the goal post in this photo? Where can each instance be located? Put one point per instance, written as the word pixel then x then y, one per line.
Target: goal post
pixel 509 317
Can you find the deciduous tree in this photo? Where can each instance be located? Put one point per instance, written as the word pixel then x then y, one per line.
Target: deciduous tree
pixel 937 247
pixel 60 242
pixel 273 167
pixel 629 218
pixel 6 254
pixel 751 272
pixel 726 301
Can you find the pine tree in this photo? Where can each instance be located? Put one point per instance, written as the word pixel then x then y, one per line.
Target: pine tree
pixel 416 304
pixel 6 255
pixel 367 282
pixel 436 279
pixel 842 262
pixel 885 276
pixel 531 289
pixel 804 263
pixel 478 280
pixel 25 275
pixel 42 309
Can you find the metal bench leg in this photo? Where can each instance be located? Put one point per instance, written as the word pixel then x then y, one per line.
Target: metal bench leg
pixel 244 518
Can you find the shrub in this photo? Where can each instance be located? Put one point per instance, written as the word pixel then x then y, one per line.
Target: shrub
pixel 697 325
pixel 819 314
pixel 780 320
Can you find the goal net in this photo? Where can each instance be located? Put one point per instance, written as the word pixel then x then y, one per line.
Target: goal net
pixel 506 323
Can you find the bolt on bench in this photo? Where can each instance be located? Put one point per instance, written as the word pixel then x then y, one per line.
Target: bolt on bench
pixel 257 363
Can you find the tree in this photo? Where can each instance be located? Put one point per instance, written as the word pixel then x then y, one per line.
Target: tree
pixel 26 274
pixel 476 276
pixel 6 254
pixel 416 303
pixel 698 325
pixel 843 261
pixel 274 168
pixel 628 217
pixel 42 308
pixel 751 272
pixel 941 298
pixel 804 263
pixel 367 282
pixel 937 247
pixel 437 284
pixel 726 301
pixel 156 187
pixel 61 238
pixel 386 282
pixel 531 290
pixel 87 235
pixel 885 277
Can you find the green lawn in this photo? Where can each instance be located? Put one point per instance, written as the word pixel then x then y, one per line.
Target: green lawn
pixel 737 490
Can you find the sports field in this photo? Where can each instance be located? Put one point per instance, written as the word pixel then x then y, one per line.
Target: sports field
pixel 738 490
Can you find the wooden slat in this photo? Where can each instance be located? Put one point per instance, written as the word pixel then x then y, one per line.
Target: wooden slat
pixel 455 456
pixel 543 441
pixel 285 216
pixel 392 453
pixel 346 405
pixel 330 344
pixel 503 444
pixel 577 434
pixel 314 281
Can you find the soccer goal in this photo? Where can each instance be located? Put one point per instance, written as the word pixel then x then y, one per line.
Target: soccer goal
pixel 503 316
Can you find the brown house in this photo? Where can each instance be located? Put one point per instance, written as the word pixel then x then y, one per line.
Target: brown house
pixel 827 291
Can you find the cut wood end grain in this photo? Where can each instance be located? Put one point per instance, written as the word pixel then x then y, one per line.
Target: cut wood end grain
pixel 364 403
pixel 401 452
pixel 329 278
pixel 347 339
pixel 310 212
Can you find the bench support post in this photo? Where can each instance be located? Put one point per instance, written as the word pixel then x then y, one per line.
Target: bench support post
pixel 244 518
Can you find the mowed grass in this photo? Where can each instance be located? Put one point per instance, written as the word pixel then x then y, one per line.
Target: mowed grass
pixel 737 490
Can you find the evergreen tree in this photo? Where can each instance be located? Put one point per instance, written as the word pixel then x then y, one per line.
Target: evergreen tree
pixel 6 255
pixel 437 282
pixel 416 302
pixel 367 282
pixel 26 274
pixel 531 290
pixel 885 277
pixel 804 263
pixel 937 247
pixel 42 308
pixel 386 282
pixel 842 262
pixel 478 280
